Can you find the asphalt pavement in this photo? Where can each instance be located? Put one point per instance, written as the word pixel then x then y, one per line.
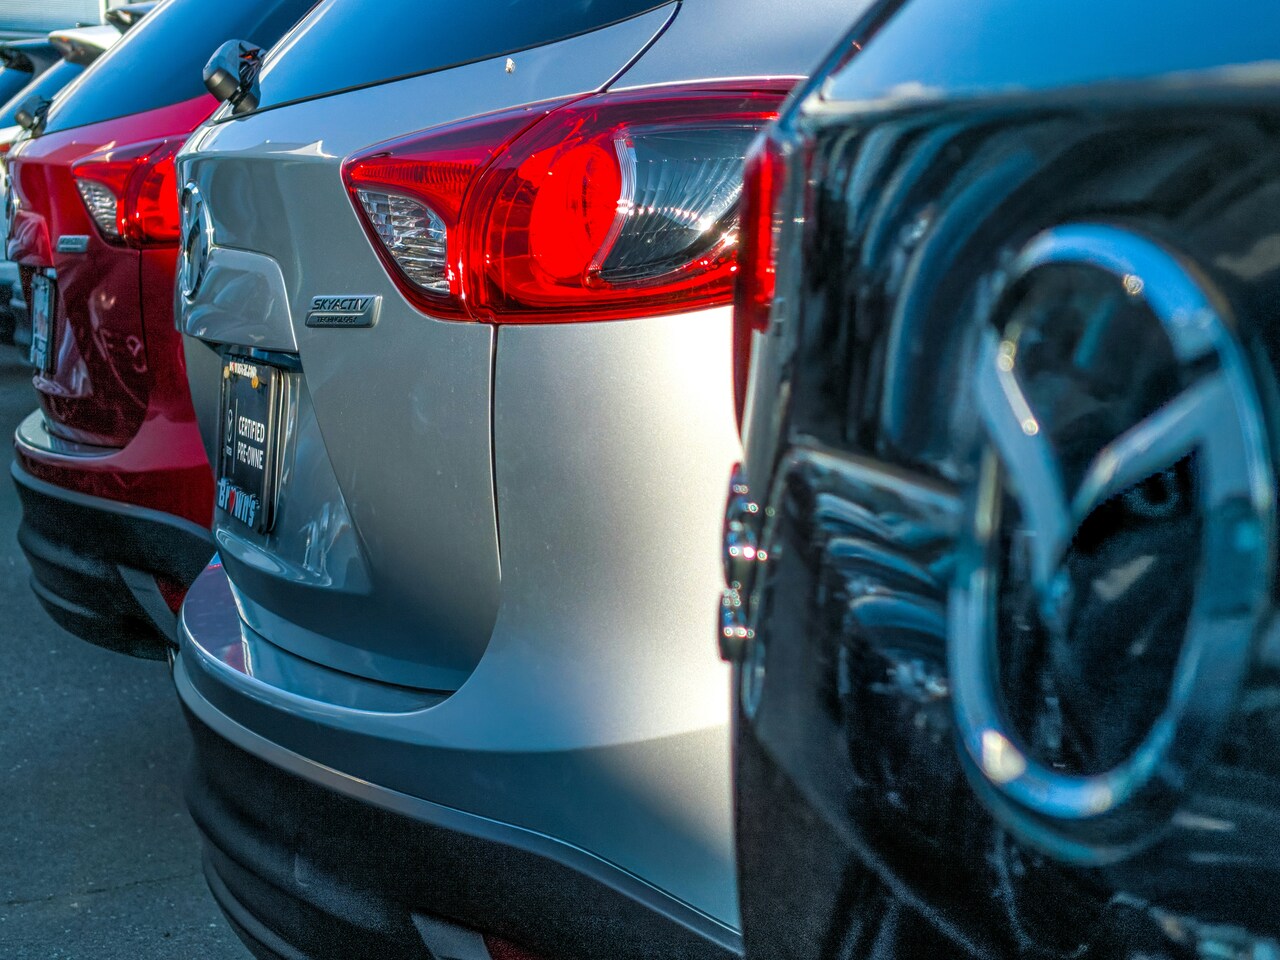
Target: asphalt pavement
pixel 98 859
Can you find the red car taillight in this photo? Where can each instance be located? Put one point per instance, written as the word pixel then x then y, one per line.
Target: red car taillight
pixel 761 224
pixel 131 192
pixel 611 206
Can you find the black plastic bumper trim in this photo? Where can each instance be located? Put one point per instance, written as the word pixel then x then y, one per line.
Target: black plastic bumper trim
pixel 77 545
pixel 334 875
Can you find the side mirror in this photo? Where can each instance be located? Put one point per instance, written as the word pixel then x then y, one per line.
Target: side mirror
pixel 31 113
pixel 232 75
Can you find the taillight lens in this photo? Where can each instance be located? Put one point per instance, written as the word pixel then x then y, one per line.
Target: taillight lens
pixel 411 195
pixel 611 206
pixel 761 226
pixel 131 192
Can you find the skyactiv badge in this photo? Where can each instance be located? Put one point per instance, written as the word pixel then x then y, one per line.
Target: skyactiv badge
pixel 344 310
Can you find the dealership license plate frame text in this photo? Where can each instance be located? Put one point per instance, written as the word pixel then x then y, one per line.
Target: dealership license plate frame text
pixel 44 294
pixel 248 465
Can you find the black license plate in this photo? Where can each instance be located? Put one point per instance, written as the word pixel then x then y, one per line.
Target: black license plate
pixel 43 297
pixel 248 459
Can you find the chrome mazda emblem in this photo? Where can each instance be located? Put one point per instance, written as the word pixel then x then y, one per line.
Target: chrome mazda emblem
pixel 1117 558
pixel 196 241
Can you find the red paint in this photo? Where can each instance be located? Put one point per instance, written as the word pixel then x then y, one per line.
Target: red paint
pixel 753 295
pixel 118 379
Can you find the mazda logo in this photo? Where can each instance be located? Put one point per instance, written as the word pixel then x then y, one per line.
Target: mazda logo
pixel 196 241
pixel 1117 554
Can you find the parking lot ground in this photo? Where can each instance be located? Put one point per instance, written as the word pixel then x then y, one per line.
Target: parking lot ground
pixel 98 859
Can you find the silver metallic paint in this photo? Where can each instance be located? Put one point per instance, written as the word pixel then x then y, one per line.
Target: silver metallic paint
pixel 241 276
pixel 591 707
pixel 427 534
pixel 746 38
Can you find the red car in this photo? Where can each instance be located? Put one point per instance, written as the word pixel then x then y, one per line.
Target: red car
pixel 116 489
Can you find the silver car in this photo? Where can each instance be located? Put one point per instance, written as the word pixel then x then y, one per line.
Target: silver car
pixel 455 284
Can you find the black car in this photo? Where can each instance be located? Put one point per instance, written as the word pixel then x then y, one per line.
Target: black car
pixel 1001 554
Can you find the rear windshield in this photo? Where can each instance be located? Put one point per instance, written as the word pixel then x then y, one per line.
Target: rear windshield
pixel 43 86
pixel 159 61
pixel 11 81
pixel 354 43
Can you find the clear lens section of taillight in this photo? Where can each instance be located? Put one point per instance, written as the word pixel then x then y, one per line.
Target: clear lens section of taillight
pixel 101 204
pixel 610 206
pixel 413 234
pixel 410 194
pixel 678 202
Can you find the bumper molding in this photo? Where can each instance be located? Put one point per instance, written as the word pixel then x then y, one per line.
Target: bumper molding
pixel 94 563
pixel 305 871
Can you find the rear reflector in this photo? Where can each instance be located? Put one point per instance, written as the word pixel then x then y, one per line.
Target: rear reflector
pixel 171 590
pixel 610 206
pixel 500 949
pixel 761 224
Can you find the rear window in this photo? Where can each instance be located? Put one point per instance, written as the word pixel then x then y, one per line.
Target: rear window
pixel 11 81
pixel 44 86
pixel 353 43
pixel 159 61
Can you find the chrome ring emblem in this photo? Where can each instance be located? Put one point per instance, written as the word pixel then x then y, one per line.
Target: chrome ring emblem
pixel 196 240
pixel 1204 421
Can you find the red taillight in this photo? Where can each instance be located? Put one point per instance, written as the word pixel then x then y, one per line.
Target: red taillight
pixel 610 206
pixel 411 195
pixel 131 192
pixel 171 590
pixel 761 223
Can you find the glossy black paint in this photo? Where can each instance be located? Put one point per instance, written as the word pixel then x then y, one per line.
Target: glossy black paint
pixel 861 833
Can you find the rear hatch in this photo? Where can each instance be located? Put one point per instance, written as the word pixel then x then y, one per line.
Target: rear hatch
pixel 376 547
pixel 106 295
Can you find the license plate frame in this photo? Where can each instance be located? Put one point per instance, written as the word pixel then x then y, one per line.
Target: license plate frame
pixel 248 469
pixel 44 296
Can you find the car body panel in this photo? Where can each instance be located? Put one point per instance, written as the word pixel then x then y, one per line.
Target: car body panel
pixel 907 208
pixel 428 398
pixel 959 52
pixel 114 451
pixel 687 51
pixel 97 389
pixel 532 510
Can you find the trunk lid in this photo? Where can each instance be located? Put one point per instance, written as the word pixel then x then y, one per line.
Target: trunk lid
pixel 383 557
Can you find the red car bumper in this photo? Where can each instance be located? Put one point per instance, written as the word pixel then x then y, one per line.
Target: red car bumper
pixel 107 567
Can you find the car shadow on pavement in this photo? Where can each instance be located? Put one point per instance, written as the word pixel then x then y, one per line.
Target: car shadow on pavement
pixel 98 858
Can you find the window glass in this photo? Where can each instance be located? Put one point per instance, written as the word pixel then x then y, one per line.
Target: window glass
pixel 352 43
pixel 45 85
pixel 11 81
pixel 159 61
